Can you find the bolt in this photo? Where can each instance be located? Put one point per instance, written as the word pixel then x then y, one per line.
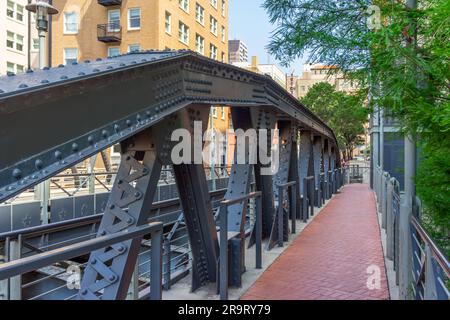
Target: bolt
pixel 17 173
pixel 94 261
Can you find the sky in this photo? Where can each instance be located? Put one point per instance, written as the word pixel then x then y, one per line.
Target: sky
pixel 249 22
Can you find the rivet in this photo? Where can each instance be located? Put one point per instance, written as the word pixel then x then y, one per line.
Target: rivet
pixel 94 261
pixel 112 207
pixel 38 164
pixel 17 173
pixel 128 122
pixel 23 85
pixel 116 127
pixel 91 140
pixel 58 155
pixel 74 147
pixel 104 133
pixel 130 220
pixel 81 73
pixel 103 232
pixel 96 70
pixel 112 278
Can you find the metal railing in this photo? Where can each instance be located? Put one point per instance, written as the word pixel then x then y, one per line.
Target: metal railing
pixel 430 267
pixel 12 269
pixel 109 32
pixel 224 236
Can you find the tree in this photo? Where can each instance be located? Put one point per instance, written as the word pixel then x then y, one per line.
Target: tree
pixel 411 82
pixel 344 113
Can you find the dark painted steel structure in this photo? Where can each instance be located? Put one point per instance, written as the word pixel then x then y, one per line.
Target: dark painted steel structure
pixel 52 119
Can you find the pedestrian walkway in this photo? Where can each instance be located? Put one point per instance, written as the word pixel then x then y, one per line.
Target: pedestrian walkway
pixel 332 257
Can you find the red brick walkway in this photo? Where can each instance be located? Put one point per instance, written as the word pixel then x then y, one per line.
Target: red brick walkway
pixel 329 259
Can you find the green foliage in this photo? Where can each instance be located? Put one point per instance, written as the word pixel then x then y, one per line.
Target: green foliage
pixel 405 64
pixel 344 113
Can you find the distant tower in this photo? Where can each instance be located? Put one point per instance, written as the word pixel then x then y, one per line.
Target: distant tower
pixel 237 51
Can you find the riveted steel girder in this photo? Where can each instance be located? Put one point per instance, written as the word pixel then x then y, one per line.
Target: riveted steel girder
pixel 111 100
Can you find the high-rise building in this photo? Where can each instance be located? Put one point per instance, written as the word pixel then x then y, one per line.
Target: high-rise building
pixel 87 29
pixel 90 29
pixel 19 48
pixel 271 70
pixel 316 73
pixel 238 51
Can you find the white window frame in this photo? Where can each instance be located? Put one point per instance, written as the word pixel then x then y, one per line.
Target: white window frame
pixel 17 13
pixel 184 5
pixel 200 43
pixel 223 8
pixel 65 54
pixel 213 25
pixel 14 11
pixel 183 33
pixel 129 19
pixel 222 113
pixel 15 42
pixel 111 21
pixel 223 34
pixel 199 14
pixel 65 30
pixel 10 64
pixel 109 51
pixel 35 44
pixel 214 112
pixel 134 45
pixel 213 51
pixel 11 10
pixel 214 3
pixel 168 22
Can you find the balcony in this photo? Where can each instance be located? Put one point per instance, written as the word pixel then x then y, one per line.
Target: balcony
pixel 109 32
pixel 107 3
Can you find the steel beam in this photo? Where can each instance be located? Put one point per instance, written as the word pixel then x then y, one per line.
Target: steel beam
pixel 305 165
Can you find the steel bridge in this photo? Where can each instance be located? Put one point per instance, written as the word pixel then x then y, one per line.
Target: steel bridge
pixel 52 119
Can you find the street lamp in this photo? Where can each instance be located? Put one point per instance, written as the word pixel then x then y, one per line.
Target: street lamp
pixel 43 10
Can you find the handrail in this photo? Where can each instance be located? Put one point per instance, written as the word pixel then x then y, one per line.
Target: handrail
pixel 77 222
pixel 27 264
pixel 440 256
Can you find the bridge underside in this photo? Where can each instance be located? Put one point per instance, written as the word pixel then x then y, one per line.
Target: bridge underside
pixel 52 119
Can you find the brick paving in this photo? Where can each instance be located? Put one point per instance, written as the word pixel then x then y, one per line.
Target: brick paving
pixel 329 259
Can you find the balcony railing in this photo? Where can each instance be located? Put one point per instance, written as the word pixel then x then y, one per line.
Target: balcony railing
pixel 109 32
pixel 108 3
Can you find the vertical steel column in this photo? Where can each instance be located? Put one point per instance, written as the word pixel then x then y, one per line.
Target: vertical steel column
pixel 317 153
pixel 108 273
pixel 327 167
pixel 156 265
pixel 223 259
pixel 305 168
pixel 258 231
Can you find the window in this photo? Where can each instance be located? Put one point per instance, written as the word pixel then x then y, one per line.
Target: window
pixel 35 44
pixel 184 4
pixel 199 14
pixel 113 20
pixel 70 22
pixel 134 18
pixel 213 24
pixel 19 12
pixel 19 42
pixel 113 51
pixel 223 56
pixel 183 33
pixel 214 112
pixel 10 12
pixel 200 44
pixel 134 47
pixel 214 3
pixel 70 55
pixel 223 8
pixel 14 11
pixel 14 41
pixel 10 67
pixel 213 51
pixel 223 34
pixel 10 36
pixel 19 68
pixel 223 113
pixel 168 23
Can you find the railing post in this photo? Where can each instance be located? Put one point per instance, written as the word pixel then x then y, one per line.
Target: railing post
pixel 280 216
pixel 258 229
pixel 305 205
pixel 293 208
pixel 223 257
pixel 15 283
pixel 4 284
pixel 167 258
pixel 390 221
pixel 156 265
